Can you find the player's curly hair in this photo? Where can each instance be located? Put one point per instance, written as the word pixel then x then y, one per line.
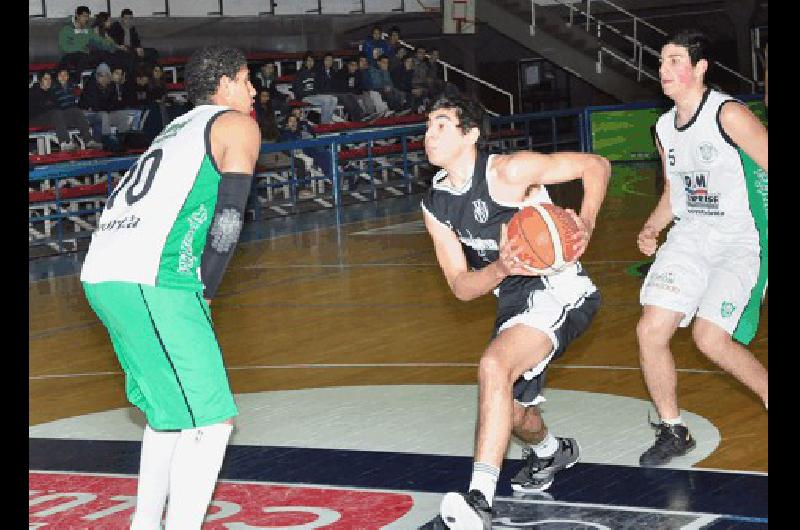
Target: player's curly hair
pixel 206 67
pixel 697 44
pixel 470 112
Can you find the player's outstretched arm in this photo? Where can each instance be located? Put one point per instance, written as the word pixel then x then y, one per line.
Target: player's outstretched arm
pixel 746 131
pixel 466 284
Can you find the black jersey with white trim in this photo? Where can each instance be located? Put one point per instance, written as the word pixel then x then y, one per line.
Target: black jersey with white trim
pixel 476 218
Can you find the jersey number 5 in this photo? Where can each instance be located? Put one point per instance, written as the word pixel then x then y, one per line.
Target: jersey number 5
pixel 134 175
pixel 671 157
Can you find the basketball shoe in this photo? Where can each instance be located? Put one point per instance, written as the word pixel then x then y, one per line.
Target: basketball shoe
pixel 466 512
pixel 671 441
pixel 537 473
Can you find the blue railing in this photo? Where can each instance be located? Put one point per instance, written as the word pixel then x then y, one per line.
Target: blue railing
pixel 347 157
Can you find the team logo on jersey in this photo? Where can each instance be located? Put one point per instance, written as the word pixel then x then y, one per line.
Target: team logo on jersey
pixel 481 211
pixel 727 309
pixel 698 198
pixel 707 152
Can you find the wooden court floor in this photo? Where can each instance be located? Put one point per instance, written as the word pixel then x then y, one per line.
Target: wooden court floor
pixel 332 296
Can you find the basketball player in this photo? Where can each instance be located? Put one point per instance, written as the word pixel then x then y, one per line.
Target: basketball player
pixel 466 213
pixel 714 261
pixel 155 261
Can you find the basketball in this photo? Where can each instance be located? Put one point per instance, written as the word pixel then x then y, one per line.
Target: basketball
pixel 543 232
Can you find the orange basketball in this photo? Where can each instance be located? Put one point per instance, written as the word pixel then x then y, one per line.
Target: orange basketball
pixel 543 232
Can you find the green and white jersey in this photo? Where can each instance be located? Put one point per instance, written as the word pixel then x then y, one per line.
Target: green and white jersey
pixel 712 181
pixel 154 226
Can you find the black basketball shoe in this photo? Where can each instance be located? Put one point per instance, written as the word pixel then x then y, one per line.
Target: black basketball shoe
pixel 537 473
pixel 671 441
pixel 466 512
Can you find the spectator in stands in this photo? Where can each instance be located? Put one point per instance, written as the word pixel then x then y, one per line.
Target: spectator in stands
pixel 100 26
pixel 144 99
pixel 348 82
pixel 80 47
pixel 66 94
pixel 328 76
pixel 365 76
pixel 265 116
pixel 420 82
pixel 436 83
pixel 97 100
pixel 382 81
pixel 124 34
pixel 125 115
pixel 375 42
pixel 403 80
pixel 396 60
pixel 393 45
pixel 45 110
pixel 306 87
pixel 267 79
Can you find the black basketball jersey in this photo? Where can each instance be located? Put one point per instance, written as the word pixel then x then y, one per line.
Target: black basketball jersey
pixel 476 218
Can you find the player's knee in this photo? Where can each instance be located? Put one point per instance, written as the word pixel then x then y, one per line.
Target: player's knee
pixel 651 331
pixel 493 368
pixel 709 339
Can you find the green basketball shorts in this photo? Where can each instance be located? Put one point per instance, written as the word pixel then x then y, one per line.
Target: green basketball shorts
pixel 166 345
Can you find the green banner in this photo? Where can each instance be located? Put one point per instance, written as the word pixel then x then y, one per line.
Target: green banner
pixel 625 135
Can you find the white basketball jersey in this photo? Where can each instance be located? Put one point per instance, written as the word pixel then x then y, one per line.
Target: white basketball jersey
pixel 154 226
pixel 705 169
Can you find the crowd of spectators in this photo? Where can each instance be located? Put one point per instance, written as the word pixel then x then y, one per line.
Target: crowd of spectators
pixel 128 93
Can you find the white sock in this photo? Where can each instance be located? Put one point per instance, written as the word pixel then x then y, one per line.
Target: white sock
pixel 484 479
pixel 547 447
pixel 157 450
pixel 193 475
pixel 673 421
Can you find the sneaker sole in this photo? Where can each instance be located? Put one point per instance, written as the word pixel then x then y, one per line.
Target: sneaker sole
pixel 522 489
pixel 457 514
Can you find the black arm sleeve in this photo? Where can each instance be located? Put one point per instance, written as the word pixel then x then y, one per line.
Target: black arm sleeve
pixel 224 231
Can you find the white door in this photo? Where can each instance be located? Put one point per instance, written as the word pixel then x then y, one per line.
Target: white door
pixel 248 8
pixel 194 8
pixel 35 8
pixel 61 9
pixel 296 7
pixel 140 8
pixel 384 6
pixel 340 7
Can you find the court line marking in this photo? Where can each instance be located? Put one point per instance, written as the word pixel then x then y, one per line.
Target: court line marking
pixel 641 510
pixel 380 365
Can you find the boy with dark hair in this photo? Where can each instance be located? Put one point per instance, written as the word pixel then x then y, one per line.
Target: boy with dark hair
pixel 537 316
pixel 306 87
pixel 163 242
pixel 713 264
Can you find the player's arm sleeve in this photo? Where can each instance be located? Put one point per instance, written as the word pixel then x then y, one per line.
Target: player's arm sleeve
pixel 226 226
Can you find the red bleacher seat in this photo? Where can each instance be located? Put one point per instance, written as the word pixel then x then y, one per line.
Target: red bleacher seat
pixel 72 192
pixel 42 128
pixel 288 78
pixel 382 122
pixel 71 156
pixel 164 61
pixel 41 67
pixel 175 86
pixel 361 152
pixel 298 103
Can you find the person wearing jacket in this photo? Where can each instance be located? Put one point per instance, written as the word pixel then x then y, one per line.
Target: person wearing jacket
pixel 306 87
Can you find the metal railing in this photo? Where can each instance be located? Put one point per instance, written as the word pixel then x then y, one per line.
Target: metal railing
pixel 388 163
pixel 447 66
pixel 635 40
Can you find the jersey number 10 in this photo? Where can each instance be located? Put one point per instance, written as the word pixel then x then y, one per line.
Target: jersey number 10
pixel 134 176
